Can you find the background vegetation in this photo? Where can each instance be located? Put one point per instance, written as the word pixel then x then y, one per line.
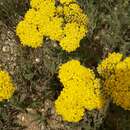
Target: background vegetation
pixel 34 71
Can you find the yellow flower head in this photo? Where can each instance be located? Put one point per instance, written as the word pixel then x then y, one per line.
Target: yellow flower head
pixel 107 66
pixel 46 19
pixel 118 84
pixel 6 86
pixel 73 34
pixel 54 29
pixel 29 35
pixel 68 106
pixel 81 91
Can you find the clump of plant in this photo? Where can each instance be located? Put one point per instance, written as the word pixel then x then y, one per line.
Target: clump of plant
pixel 82 90
pixel 116 72
pixel 64 22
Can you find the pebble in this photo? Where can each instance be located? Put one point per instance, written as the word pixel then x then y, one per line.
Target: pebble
pixel 5 49
pixel 37 60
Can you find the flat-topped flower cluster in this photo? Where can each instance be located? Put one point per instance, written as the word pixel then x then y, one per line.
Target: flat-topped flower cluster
pixel 116 73
pixel 7 87
pixel 63 21
pixel 82 90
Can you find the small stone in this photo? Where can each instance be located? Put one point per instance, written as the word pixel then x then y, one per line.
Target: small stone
pixel 52 111
pixel 37 60
pixel 43 127
pixel 55 44
pixel 42 110
pixel 96 37
pixel 5 49
pixel 22 118
pixel 115 8
pixel 1 3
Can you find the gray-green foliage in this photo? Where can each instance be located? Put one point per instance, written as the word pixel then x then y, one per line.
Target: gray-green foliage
pixel 109 24
pixel 11 11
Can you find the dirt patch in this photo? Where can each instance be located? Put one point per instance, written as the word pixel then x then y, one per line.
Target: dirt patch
pixel 28 120
pixel 8 49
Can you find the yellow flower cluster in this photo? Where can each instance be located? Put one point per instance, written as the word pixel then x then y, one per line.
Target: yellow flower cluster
pixel 65 23
pixel 117 79
pixel 118 84
pixel 81 91
pixel 6 86
pixel 107 66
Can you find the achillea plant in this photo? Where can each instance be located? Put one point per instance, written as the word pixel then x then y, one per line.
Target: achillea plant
pixel 119 83
pixel 81 91
pixel 117 79
pixel 6 86
pixel 65 23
